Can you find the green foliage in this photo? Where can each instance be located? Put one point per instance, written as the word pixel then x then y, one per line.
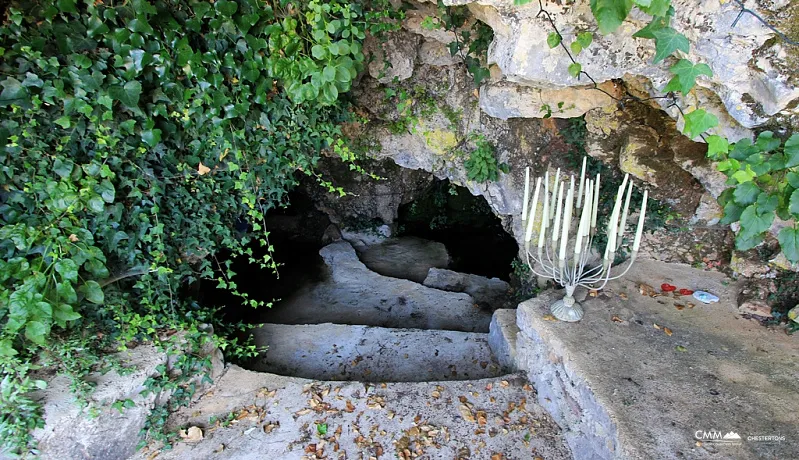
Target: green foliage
pixel 610 14
pixel 667 41
pixel 575 68
pixel 581 42
pixel 553 39
pixel 685 73
pixel 764 184
pixel 699 121
pixel 19 413
pixel 135 134
pixel 482 164
pixel 472 44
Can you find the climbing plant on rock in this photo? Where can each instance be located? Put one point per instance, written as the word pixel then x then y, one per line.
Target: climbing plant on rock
pixel 763 174
pixel 136 134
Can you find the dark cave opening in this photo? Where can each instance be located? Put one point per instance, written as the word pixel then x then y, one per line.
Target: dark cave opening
pixel 445 213
pixel 474 236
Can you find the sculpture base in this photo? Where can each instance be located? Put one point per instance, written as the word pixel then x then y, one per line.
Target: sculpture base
pixel 567 309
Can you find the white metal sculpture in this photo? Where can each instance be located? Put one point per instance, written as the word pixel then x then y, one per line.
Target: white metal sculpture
pixel 565 231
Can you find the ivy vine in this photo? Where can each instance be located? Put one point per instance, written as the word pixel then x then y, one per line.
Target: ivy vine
pixel 762 175
pixel 134 136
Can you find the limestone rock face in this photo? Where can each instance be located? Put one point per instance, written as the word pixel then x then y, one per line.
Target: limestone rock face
pixel 753 78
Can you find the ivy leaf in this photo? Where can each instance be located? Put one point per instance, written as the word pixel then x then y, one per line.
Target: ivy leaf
pixel 553 39
pixel 743 243
pixel 66 293
pixel 64 313
pixel 685 73
pixel 789 243
pixel 13 92
pixel 746 193
pixel 63 122
pixel 793 179
pixel 576 47
pixel 128 94
pixel 67 6
pixel 744 175
pixel 654 7
pixel 667 41
pixel 68 269
pixel 106 191
pixel 93 292
pixel 575 69
pixel 793 203
pixel 791 150
pixel 63 167
pixel 151 137
pixel 36 331
pixel 648 31
pixel 6 348
pixel 227 8
pixel 753 222
pixel 697 122
pixel 610 14
pixel 732 213
pixel 585 39
pixel 766 141
pixel 767 202
pixel 717 147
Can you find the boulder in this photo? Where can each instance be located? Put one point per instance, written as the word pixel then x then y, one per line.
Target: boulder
pixel 408 258
pixel 489 293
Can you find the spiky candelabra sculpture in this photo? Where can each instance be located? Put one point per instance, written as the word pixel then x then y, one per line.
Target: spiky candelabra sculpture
pixel 566 255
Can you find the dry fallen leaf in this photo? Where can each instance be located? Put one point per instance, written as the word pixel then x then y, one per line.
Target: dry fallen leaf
pixel 504 383
pixel 690 305
pixel 73 237
pixel 656 326
pixel 550 318
pixel 466 413
pixel 667 331
pixel 616 319
pixel 593 293
pixel 203 170
pixel 679 306
pixel 646 290
pixel 193 434
pixel 436 394
pixel 622 296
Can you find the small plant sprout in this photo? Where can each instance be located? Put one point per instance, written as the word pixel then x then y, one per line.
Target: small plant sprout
pixel 566 225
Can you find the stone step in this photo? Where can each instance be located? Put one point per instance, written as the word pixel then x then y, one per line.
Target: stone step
pixel 373 354
pixel 353 294
pixel 405 257
pixel 250 415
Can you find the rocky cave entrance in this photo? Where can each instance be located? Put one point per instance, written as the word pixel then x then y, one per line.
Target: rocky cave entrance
pixel 337 285
pixel 474 237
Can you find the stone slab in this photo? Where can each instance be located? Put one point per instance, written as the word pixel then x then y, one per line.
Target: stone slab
pixel 489 293
pixel 626 388
pixel 366 421
pixel 373 354
pixel 405 257
pixel 353 294
pixel 502 338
